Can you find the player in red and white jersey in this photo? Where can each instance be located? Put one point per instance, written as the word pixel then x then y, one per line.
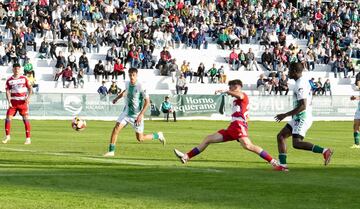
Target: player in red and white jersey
pixel 18 91
pixel 237 130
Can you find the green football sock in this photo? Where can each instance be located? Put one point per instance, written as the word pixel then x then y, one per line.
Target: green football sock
pixel 282 158
pixel 155 136
pixel 112 148
pixel 356 138
pixel 317 149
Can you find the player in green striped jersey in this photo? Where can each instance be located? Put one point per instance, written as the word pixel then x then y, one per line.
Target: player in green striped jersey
pixel 136 102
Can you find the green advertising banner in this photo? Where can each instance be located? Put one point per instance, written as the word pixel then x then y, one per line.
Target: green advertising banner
pixel 93 105
pixel 189 105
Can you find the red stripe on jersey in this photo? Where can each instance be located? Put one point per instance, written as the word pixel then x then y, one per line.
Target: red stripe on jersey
pixel 241 107
pixel 19 85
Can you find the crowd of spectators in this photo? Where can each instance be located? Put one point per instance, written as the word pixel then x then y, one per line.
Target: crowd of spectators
pixel 132 29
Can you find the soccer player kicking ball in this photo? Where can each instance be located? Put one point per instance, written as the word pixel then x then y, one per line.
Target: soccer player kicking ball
pixel 356 124
pixel 136 103
pixel 18 91
pixel 301 119
pixel 237 130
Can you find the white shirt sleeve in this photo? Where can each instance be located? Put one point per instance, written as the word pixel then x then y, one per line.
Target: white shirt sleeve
pixel 143 92
pixel 302 89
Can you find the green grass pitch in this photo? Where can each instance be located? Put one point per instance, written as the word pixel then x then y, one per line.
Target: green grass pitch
pixel 65 169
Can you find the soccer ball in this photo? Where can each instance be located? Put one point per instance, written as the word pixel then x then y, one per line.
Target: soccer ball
pixel 78 124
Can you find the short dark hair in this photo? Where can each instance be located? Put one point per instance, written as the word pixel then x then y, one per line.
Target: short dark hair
pixel 236 82
pixel 133 70
pixel 297 67
pixel 16 65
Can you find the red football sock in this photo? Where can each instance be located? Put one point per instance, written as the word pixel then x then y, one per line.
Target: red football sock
pixel 263 154
pixel 27 128
pixel 7 126
pixel 193 152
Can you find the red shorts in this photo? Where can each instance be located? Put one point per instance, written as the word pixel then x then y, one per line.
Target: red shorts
pixel 236 130
pixel 18 105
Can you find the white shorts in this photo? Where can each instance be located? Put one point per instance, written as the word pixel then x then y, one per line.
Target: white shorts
pixel 357 115
pixel 300 126
pixel 124 119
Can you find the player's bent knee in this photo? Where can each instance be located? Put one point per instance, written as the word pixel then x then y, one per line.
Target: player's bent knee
pixel 297 141
pixel 280 137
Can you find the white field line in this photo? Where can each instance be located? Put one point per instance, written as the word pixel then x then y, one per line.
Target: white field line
pixel 95 158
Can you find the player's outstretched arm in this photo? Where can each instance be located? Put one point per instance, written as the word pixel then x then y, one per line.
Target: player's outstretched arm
pixel 236 94
pixel 119 96
pixel 301 107
pixel 355 98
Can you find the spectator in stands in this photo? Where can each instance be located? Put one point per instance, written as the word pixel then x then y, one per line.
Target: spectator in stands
pixel 166 108
pixel 28 67
pixel 273 39
pixel 173 69
pixel 184 68
pixel 327 87
pixel 72 61
pixel 234 60
pixel 339 67
pixel 53 50
pixel 67 75
pixel 242 59
pixel 282 39
pixel 99 70
pixel 273 85
pixel 21 52
pixel 262 84
pixel 221 75
pixel 310 58
pixel 102 91
pixel 60 60
pixel 201 72
pixel 134 57
pixel 111 54
pixel 314 87
pixel 44 49
pixel 320 89
pixel 283 85
pixel 114 89
pixel 266 59
pixel 32 81
pixel 234 40
pixel 119 70
pixel 29 39
pixel 165 58
pixel 93 43
pixel 188 72
pixel 223 39
pixel 84 62
pixel 349 66
pixel 108 70
pixel 251 61
pixel 212 72
pixel 181 85
pixel 80 78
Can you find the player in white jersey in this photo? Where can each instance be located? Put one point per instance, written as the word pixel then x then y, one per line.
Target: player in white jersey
pixel 356 124
pixel 301 119
pixel 136 102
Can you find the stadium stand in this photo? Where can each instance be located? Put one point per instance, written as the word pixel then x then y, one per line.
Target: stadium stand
pixel 121 23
